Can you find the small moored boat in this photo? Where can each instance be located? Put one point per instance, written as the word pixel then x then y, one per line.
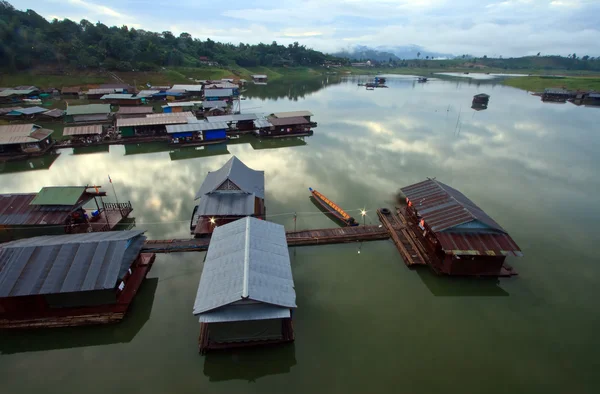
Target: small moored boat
pixel 333 208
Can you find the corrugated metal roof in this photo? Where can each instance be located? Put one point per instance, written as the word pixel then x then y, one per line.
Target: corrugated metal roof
pixel 150 121
pixel 226 204
pixel 259 76
pixel 188 88
pixel 556 91
pixel 232 118
pixel 147 93
pixel 134 110
pixel 247 179
pixel 83 130
pixel 221 85
pixel 72 89
pixel 6 110
pixel 22 134
pixel 218 93
pixel 245 312
pixel 262 123
pixel 59 195
pixel 481 244
pixel 16 92
pixel 89 109
pixel 67 263
pixel 288 121
pixel 197 126
pixel 102 91
pixel 31 110
pixel 444 207
pixel 292 114
pixel 594 95
pixel 91 118
pixel 247 260
pixel 185 114
pixel 214 104
pixel 54 113
pixel 184 104
pixel 118 96
pixel 24 129
pixel 15 210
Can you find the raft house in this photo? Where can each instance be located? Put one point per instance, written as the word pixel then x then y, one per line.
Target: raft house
pixel 214 108
pixel 458 237
pixel 26 113
pixel 133 112
pixel 71 280
pixel 226 195
pixel 150 125
pixel 182 106
pixel 98 93
pixel 59 210
pixel 122 99
pixel 188 90
pixel 198 132
pixel 84 134
pixel 72 92
pixel 238 123
pixel 89 113
pixel 17 95
pixel 259 79
pixel 24 140
pixel 556 95
pixel 285 124
pixel 220 94
pixel 246 293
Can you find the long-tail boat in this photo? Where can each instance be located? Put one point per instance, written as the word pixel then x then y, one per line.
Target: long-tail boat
pixel 333 208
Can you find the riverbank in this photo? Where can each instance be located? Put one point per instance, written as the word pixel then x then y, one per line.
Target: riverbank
pixel 539 83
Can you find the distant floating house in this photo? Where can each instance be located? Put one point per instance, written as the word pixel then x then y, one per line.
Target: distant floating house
pixel 70 280
pixel 557 95
pixel 198 132
pixel 28 112
pixel 96 113
pixel 17 95
pixel 459 237
pixel 97 93
pixel 189 90
pixel 259 78
pixel 220 94
pixel 285 124
pixel 122 99
pixel 84 134
pixel 230 193
pixel 71 92
pixel 246 293
pixel 54 113
pixel 59 210
pixel 152 124
pixel 182 106
pixel 24 140
pixel 133 112
pixel 241 122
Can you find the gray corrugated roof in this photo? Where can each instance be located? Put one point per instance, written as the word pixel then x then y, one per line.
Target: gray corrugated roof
pixel 88 109
pixel 247 179
pixel 226 204
pixel 67 263
pixel 247 260
pixel 232 118
pixel 244 312
pixel 594 95
pixel 214 104
pixel 556 91
pixel 199 126
pixel 188 88
pixel 31 110
pixel 118 96
pixel 262 123
pixel 218 92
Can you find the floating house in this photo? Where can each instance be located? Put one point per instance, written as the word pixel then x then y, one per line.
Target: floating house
pixel 90 113
pixel 220 94
pixel 59 210
pixel 189 90
pixel 294 114
pixel 54 114
pixel 481 98
pixel 118 87
pixel 84 134
pixel 228 194
pixel 199 132
pixel 557 95
pixel 121 99
pixel 71 280
pixel 72 92
pixel 459 237
pixel 182 106
pixel 96 94
pixel 259 78
pixel 24 113
pixel 151 125
pixel 592 98
pixel 17 95
pixel 246 294
pixel 149 94
pixel 133 112
pixel 24 140
pixel 239 122
pixel 280 128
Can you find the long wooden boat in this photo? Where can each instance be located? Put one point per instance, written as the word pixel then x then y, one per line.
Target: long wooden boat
pixel 333 208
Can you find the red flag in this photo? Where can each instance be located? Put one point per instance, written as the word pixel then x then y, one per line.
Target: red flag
pixel 110 180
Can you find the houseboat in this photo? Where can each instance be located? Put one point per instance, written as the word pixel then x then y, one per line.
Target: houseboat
pixel 22 141
pixel 89 113
pixel 458 237
pixel 133 112
pixel 238 123
pixel 556 95
pixel 259 79
pixel 71 92
pixel 151 125
pixel 197 133
pixel 232 192
pixel 70 280
pixel 122 99
pixel 332 208
pixel 84 135
pixel 59 210
pixel 246 293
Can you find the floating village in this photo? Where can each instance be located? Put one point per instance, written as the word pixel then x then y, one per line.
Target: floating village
pixel 69 258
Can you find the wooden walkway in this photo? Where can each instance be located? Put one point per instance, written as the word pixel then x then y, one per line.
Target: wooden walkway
pixel 294 238
pixel 402 239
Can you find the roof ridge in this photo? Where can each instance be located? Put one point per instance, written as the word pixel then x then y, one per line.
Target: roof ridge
pixel 441 186
pixel 246 260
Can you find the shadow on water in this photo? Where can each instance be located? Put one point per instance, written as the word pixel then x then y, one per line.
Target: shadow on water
pixel 444 286
pixel 275 143
pixel 250 364
pixel 192 152
pixel 86 150
pixel 37 163
pixel 21 341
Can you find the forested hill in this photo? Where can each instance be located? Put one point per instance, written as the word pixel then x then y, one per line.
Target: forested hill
pixel 28 40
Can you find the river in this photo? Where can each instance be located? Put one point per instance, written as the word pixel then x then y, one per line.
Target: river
pixel 365 323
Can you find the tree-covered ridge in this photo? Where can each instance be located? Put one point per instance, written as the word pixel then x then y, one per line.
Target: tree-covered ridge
pixel 28 40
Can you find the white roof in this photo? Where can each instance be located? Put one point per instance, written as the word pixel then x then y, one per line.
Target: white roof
pixel 188 88
pixel 292 114
pixel 183 104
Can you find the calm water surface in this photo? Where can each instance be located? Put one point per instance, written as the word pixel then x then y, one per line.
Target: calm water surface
pixel 365 323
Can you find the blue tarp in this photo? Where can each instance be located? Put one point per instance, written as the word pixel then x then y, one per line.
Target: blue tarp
pixel 182 135
pixel 211 135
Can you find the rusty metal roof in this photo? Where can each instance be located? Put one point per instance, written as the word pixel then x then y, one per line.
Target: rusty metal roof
pixel 288 121
pixel 480 244
pixel 83 130
pixel 71 89
pixel 134 110
pixel 151 121
pixel 22 134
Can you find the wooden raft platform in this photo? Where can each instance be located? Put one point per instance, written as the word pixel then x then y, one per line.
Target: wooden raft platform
pixel 294 238
pixel 410 252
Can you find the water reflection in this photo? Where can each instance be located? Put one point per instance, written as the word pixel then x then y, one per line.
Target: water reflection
pixel 192 152
pixel 86 150
pixel 443 286
pixel 250 364
pixel 37 163
pixel 20 341
pixel 289 88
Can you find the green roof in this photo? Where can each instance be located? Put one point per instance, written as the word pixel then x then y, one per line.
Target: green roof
pixel 89 109
pixel 59 195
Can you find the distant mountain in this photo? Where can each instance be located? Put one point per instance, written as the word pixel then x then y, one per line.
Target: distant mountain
pixel 384 53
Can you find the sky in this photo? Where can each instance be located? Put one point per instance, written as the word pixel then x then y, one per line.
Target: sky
pixel 476 27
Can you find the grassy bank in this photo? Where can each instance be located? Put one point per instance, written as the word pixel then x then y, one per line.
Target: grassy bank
pixel 42 80
pixel 539 83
